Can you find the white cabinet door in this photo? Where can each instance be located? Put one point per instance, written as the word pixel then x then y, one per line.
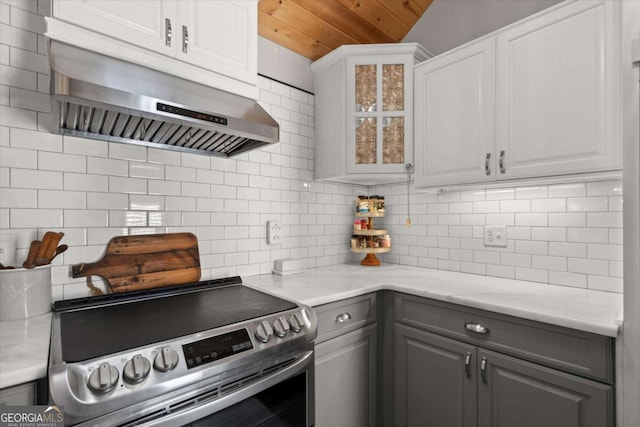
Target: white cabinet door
pixel 139 22
pixel 454 117
pixel 220 36
pixel 556 93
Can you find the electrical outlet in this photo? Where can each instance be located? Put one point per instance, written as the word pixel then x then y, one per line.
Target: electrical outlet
pixel 495 236
pixel 274 232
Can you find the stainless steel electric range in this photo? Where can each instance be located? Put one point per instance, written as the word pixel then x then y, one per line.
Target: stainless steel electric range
pixel 213 353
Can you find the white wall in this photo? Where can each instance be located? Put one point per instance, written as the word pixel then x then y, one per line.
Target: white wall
pixel 450 23
pixel 284 65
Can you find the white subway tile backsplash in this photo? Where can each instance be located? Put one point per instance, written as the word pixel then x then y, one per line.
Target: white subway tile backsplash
pixel 531 220
pixel 146 170
pixel 18 158
pixel 568 190
pixel 18 198
pixel 35 218
pixel 531 247
pixel 18 117
pixel 29 100
pixel 604 188
pixel 52 199
pixel 14 77
pixel 17 37
pixel 532 192
pixel 86 218
pixel 61 162
pixel 500 219
pixel 605 283
pixel 486 207
pixel 118 184
pixel 609 219
pixel 142 202
pixel 567 220
pixel 549 205
pixel 532 275
pixel 549 234
pixel 616 236
pixel 88 147
pixel 198 161
pixel 588 266
pixel 588 235
pixel 616 269
pixel 515 206
pixel 505 271
pixel 577 250
pixel 610 252
pixel 28 178
pixel 500 194
pixel 112 167
pixel 549 263
pixel 587 204
pixel 127 219
pixel 517 260
pixel 568 279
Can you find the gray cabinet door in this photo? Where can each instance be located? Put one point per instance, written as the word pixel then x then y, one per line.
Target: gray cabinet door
pixel 434 387
pixel 345 380
pixel 513 392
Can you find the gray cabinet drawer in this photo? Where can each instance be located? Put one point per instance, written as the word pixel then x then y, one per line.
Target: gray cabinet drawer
pixel 582 353
pixel 340 317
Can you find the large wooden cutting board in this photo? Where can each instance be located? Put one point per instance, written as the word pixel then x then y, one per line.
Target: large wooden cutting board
pixel 133 263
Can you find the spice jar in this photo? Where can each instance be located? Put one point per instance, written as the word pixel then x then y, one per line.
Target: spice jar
pixel 357 225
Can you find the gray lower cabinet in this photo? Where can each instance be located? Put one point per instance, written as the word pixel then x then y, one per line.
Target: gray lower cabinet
pixel 345 363
pixel 19 395
pixel 514 392
pixel 451 370
pixel 431 387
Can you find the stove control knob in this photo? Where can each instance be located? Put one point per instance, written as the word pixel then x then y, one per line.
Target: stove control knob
pixel 297 322
pixel 166 360
pixel 104 379
pixel 264 331
pixel 281 326
pixel 136 369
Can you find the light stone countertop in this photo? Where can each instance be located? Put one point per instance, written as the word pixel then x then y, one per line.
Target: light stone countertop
pixel 24 344
pixel 582 309
pixel 24 350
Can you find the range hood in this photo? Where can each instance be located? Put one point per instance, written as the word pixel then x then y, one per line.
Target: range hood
pixel 100 97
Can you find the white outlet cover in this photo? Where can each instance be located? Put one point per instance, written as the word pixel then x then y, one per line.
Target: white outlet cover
pixel 495 236
pixel 274 232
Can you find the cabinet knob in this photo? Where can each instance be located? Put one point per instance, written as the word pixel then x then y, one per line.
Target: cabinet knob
pixel 341 318
pixel 477 328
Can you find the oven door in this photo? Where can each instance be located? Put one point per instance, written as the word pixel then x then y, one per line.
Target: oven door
pixel 283 396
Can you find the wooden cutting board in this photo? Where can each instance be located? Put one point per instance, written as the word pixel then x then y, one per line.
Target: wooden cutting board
pixel 133 263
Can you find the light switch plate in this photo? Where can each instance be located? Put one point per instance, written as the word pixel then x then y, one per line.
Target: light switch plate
pixel 495 236
pixel 274 232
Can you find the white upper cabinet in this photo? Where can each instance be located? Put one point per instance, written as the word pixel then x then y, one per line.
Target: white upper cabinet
pixel 454 117
pixel 537 99
pixel 220 35
pixel 141 22
pixel 556 98
pixel 364 113
pixel 215 42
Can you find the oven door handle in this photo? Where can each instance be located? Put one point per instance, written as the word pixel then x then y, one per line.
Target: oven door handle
pixel 195 413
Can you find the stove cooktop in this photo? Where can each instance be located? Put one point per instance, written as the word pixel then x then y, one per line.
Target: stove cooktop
pixel 106 329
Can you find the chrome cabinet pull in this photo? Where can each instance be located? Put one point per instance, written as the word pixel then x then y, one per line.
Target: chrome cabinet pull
pixel 477 328
pixel 185 39
pixel 467 364
pixel 487 169
pixel 483 370
pixel 167 32
pixel 502 170
pixel 341 318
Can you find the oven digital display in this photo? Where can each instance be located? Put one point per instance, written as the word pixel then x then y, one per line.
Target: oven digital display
pixel 215 348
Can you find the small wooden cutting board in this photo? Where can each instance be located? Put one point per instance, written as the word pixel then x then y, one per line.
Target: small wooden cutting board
pixel 133 263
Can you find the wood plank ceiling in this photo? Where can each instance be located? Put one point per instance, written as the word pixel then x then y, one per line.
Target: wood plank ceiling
pixel 313 28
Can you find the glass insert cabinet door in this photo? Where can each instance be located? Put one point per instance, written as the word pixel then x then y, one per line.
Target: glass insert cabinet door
pixel 377 102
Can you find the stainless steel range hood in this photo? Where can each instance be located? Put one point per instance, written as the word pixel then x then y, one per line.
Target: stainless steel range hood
pixel 101 97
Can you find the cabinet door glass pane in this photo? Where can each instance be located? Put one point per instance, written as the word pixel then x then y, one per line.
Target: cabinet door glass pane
pixel 366 88
pixel 366 129
pixel 393 87
pixel 393 140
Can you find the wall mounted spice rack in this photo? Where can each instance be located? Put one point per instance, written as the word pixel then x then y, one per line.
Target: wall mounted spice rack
pixel 366 239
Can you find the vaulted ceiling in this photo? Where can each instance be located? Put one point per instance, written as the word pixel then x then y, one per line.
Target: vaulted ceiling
pixel 313 28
